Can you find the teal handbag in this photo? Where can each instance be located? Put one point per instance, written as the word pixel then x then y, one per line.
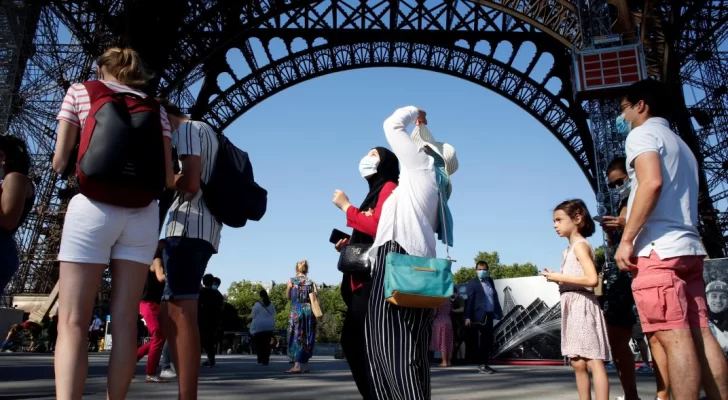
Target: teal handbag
pixel 417 282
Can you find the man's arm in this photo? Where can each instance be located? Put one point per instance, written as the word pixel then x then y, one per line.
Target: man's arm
pixel 469 302
pixel 189 148
pixel 649 175
pixel 188 180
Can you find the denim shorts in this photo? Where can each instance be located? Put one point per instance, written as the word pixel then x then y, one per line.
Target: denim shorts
pixel 185 261
pixel 9 259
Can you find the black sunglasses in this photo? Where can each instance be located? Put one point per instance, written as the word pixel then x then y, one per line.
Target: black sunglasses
pixel 618 183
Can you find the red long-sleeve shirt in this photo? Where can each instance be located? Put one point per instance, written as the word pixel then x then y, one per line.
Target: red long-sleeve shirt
pixel 356 218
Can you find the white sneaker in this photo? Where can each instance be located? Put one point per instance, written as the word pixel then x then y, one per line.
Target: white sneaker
pixel 168 374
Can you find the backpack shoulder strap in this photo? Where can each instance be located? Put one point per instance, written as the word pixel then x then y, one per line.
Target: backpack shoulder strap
pixel 96 89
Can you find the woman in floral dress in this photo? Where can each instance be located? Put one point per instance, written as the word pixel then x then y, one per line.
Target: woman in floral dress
pixel 301 321
pixel 442 338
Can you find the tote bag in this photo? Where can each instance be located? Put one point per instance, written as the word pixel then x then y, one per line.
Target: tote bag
pixel 315 305
pixel 418 282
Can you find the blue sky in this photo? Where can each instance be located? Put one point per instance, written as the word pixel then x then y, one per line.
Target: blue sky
pixel 307 141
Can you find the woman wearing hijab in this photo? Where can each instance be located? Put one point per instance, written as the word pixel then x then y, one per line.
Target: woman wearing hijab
pixel 380 167
pixel 398 338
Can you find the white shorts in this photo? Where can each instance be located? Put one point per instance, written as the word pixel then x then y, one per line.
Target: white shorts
pixel 95 232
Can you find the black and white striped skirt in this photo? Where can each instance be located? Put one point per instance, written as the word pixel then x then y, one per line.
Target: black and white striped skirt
pixel 398 341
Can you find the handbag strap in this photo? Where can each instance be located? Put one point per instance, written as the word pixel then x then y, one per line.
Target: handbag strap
pixel 265 308
pixel 442 211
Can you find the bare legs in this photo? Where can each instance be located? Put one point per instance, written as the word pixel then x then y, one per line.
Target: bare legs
pixel 714 374
pixel 660 366
pixel 599 375
pixel 695 356
pixel 128 279
pixel 682 361
pixel 179 320
pixel 619 338
pixel 78 286
pixel 446 355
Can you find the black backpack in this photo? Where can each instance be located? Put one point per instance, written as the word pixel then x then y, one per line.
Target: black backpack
pixel 231 194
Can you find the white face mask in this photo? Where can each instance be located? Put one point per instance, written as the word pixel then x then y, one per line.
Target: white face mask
pixel 368 166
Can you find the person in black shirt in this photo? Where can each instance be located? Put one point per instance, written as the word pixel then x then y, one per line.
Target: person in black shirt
pixel 17 195
pixel 209 316
pixel 149 309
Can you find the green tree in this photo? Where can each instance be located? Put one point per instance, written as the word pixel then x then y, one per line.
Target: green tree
pixel 243 295
pixel 278 297
pixel 463 275
pixel 513 271
pixel 492 258
pixel 600 257
pixel 497 270
pixel 328 327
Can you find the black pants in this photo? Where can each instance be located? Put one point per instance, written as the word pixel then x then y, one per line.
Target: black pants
pixel 262 346
pixel 352 336
pixel 481 340
pixel 207 339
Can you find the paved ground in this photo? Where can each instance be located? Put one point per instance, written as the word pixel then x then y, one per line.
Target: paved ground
pixel 30 376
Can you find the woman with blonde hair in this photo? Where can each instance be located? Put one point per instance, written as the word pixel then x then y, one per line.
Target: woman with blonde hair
pixel 301 321
pixel 101 229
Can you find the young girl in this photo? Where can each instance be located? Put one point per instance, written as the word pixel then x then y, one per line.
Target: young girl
pixel 583 330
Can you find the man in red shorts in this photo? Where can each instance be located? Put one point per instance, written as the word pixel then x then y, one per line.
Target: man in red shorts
pixel 662 247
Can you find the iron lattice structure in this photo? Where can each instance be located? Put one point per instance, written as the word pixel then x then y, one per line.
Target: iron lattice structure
pixel 298 40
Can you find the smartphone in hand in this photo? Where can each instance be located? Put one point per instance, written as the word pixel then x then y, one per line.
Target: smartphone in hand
pixel 337 235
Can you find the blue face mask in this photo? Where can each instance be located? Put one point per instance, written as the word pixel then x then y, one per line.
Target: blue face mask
pixel 482 274
pixel 214 287
pixel 368 166
pixel 623 127
pixel 624 190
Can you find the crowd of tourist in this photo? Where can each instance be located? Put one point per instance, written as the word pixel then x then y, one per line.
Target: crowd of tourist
pixel 656 289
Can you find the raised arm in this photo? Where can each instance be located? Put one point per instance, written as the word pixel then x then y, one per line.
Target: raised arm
pixel 408 153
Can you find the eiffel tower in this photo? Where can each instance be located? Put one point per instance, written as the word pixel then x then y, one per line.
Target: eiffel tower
pixel 509 302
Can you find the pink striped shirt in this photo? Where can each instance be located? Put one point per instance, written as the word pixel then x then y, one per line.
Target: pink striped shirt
pixel 76 105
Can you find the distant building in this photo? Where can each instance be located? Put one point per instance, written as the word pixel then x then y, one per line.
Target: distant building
pixel 267 285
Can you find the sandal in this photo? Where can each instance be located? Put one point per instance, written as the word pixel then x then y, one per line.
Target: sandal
pixel 155 379
pixel 294 371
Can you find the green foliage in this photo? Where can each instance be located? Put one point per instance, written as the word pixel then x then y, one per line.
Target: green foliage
pixel 513 271
pixel 497 270
pixel 328 326
pixel 328 329
pixel 600 257
pixel 492 258
pixel 243 295
pixel 463 275
pixel 283 307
